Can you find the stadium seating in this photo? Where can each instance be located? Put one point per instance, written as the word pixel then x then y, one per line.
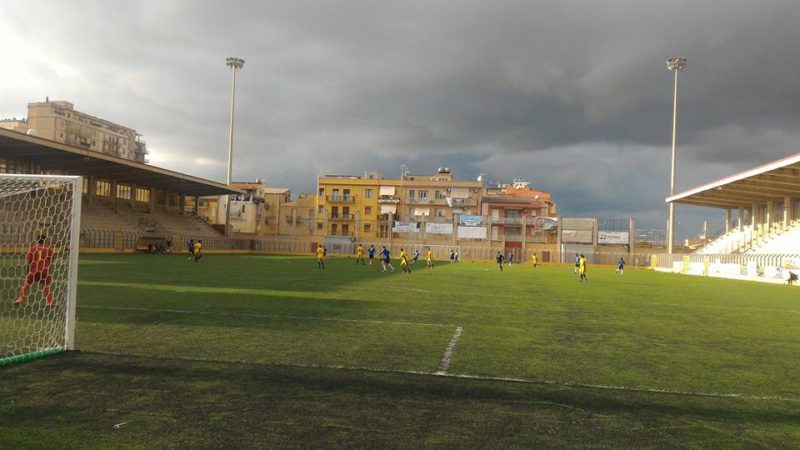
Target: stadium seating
pixel 730 242
pixel 779 242
pixel 102 227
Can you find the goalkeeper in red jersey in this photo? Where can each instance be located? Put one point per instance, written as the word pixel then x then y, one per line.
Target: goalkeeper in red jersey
pixel 39 258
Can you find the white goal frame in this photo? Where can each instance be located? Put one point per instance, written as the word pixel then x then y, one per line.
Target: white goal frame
pixel 76 183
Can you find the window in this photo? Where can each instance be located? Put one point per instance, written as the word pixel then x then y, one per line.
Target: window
pixel 423 195
pixel 438 195
pixel 335 211
pixel 345 229
pixel 321 192
pixel 142 195
pixel 319 225
pixel 367 193
pixel 367 227
pixel 335 193
pixel 345 211
pixel 321 209
pixel 410 193
pixel 441 212
pixel 334 229
pixel 103 189
pixel 368 210
pixel 123 191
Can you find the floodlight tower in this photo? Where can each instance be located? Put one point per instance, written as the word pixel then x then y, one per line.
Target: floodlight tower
pixel 235 64
pixel 676 65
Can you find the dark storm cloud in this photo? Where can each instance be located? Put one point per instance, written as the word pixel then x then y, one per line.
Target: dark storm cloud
pixel 573 95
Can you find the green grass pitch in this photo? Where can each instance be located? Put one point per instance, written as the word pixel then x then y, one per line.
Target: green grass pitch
pixel 266 351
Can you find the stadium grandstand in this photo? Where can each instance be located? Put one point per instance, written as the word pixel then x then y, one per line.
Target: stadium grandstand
pixel 127 205
pixel 762 239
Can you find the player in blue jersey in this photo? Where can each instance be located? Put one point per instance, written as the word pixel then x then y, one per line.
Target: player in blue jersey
pixel 371 253
pixel 386 260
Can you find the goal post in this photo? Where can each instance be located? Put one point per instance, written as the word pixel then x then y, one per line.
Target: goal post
pixel 39 242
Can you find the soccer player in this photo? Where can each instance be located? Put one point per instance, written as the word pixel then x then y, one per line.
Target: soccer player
pixel 190 249
pixel 534 260
pixel 582 268
pixel 386 259
pixel 39 258
pixel 320 257
pixel 198 250
pixel 452 256
pixel 360 255
pixel 510 258
pixel 371 252
pixel 416 256
pixel 500 260
pixel 577 263
pixel 404 262
pixel 621 266
pixel 430 258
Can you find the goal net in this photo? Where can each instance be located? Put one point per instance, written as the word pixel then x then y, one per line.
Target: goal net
pixel 39 232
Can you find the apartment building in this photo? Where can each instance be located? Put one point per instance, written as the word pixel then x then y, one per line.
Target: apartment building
pixel 299 217
pixel 59 121
pixel 257 212
pixel 517 212
pixel 366 206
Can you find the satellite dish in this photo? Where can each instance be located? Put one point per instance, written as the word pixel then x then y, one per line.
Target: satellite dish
pixel 32 132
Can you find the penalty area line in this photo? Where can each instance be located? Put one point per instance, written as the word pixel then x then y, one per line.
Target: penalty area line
pixel 448 352
pixel 543 382
pixel 265 316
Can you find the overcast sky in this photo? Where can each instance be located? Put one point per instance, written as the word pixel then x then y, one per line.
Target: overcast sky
pixel 571 95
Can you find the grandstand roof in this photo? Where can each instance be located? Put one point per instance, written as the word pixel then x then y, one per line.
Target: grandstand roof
pixel 771 181
pixel 54 156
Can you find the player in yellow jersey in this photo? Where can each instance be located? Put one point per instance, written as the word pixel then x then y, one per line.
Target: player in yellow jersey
pixel 404 261
pixel 360 255
pixel 582 268
pixel 320 257
pixel 534 260
pixel 198 250
pixel 430 258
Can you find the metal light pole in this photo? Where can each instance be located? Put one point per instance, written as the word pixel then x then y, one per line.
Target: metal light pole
pixel 676 65
pixel 234 63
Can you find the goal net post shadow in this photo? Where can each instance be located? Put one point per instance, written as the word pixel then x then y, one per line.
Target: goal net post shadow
pixel 39 242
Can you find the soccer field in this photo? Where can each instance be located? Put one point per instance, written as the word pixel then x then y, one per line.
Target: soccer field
pixel 247 350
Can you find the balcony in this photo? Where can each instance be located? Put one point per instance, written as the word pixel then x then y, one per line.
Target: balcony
pixel 341 217
pixel 388 199
pixel 507 221
pixel 418 201
pixel 340 198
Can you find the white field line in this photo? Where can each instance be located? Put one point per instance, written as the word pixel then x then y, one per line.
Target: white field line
pixel 448 352
pixel 684 305
pixel 265 316
pixel 544 382
pixel 469 294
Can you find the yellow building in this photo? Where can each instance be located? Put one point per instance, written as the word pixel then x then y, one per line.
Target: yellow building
pixel 59 121
pixel 298 216
pixel 361 207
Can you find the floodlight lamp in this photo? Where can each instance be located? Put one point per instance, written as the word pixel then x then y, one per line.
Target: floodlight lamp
pixel 676 63
pixel 236 63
